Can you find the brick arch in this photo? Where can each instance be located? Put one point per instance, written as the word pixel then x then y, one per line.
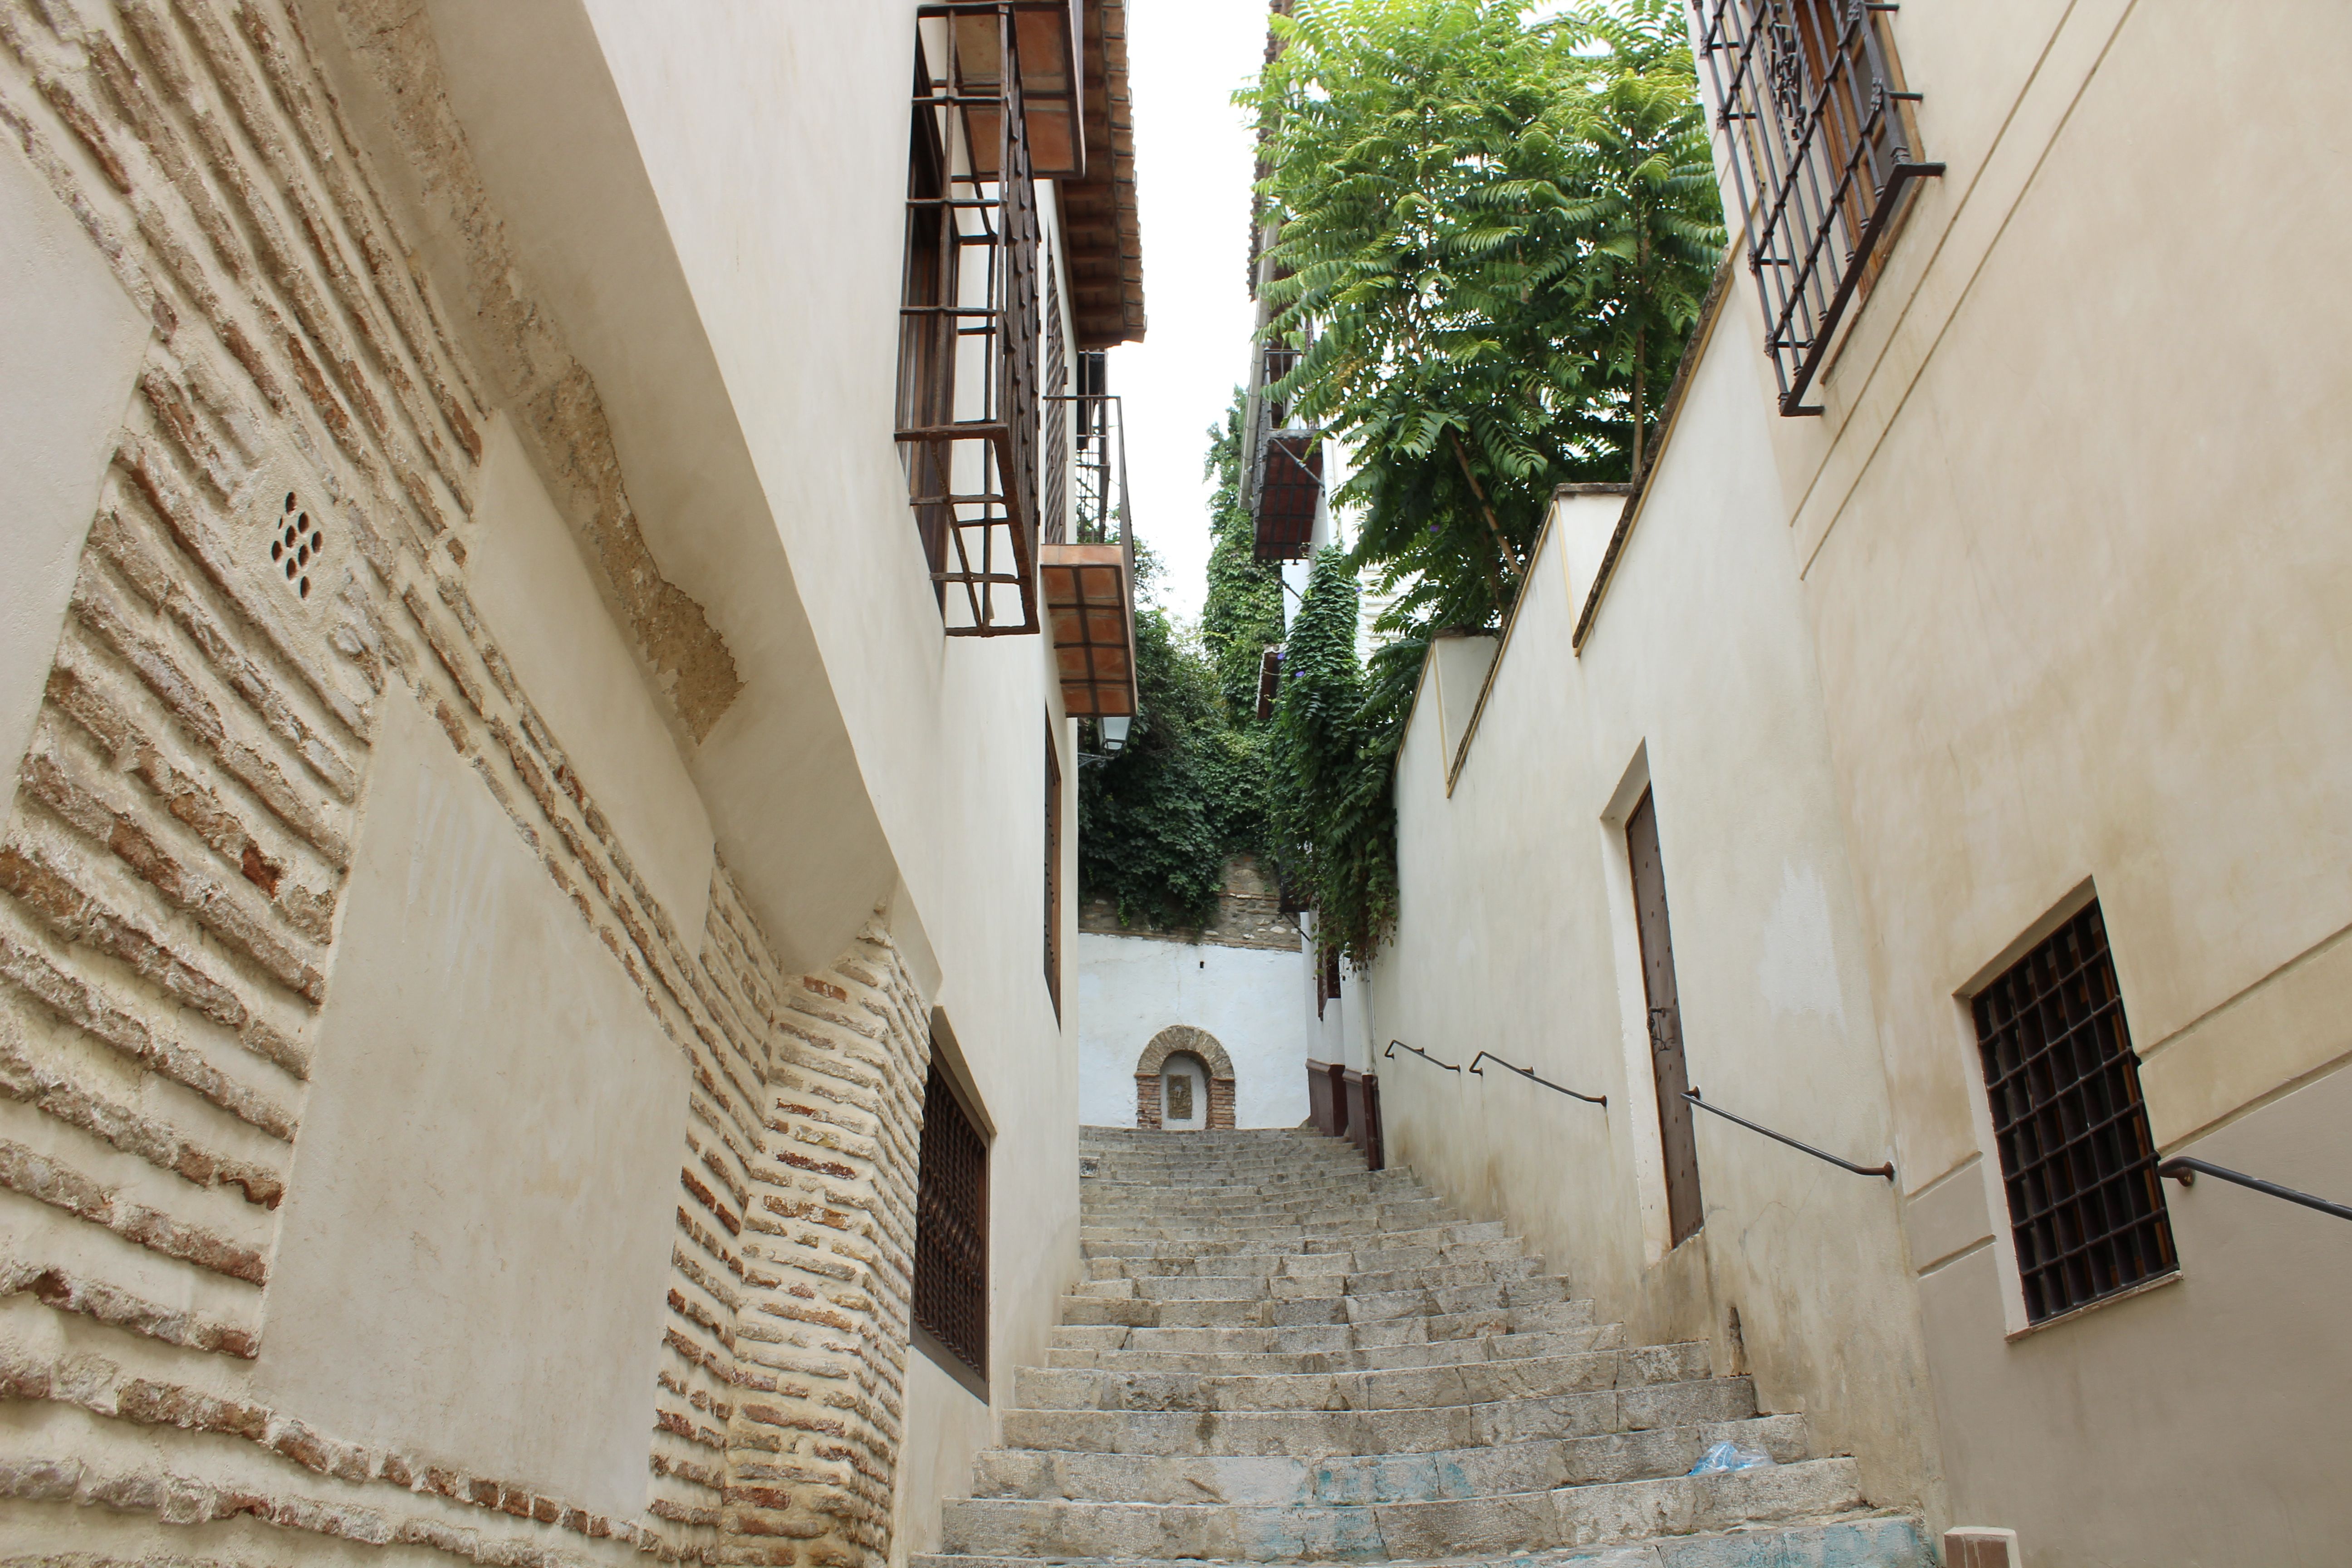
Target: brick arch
pixel 1187 1040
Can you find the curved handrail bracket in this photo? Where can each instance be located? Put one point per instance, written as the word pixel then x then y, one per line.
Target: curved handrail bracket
pixel 1529 1074
pixel 2183 1169
pixel 1416 1050
pixel 1887 1170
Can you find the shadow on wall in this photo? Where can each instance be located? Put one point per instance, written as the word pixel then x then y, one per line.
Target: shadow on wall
pixel 1168 1081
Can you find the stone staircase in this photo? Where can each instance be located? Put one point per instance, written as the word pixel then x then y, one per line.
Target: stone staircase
pixel 1281 1357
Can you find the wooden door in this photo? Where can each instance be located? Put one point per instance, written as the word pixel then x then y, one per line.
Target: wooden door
pixel 1685 1212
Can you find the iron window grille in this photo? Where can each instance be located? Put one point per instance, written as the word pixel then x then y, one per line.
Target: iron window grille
pixel 2077 1156
pixel 1810 96
pixel 969 321
pixel 952 1227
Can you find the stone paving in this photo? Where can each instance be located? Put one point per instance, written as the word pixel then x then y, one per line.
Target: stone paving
pixel 1281 1357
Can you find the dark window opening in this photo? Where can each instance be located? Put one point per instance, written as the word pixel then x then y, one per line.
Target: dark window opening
pixel 1052 872
pixel 952 1228
pixel 2077 1157
pixel 1823 149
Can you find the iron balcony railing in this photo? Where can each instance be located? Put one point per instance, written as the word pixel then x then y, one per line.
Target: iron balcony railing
pixel 1821 152
pixel 971 322
pixel 1099 513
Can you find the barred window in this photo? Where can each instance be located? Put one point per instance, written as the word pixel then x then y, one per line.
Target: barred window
pixel 2077 1156
pixel 951 1229
pixel 1809 95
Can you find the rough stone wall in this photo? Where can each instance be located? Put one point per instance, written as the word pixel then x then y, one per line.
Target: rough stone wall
pixel 1249 914
pixel 177 848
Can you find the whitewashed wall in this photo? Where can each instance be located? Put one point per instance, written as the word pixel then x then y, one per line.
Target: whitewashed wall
pixel 1131 988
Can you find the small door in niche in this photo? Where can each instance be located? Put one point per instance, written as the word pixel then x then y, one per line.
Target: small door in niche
pixel 1183 1094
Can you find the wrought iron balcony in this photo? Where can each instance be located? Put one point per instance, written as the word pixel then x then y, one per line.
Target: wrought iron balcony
pixel 969 318
pixel 1809 94
pixel 1284 460
pixel 1090 563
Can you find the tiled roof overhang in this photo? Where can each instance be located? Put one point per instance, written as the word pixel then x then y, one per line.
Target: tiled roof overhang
pixel 1103 237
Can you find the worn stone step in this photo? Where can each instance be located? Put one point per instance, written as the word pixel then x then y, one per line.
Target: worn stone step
pixel 1302 1433
pixel 1404 1388
pixel 1349 1260
pixel 1395 1210
pixel 1569 1516
pixel 1270 1311
pixel 1117 1357
pixel 1858 1540
pixel 1270 1481
pixel 1108 1243
pixel 1372 1334
pixel 1294 1287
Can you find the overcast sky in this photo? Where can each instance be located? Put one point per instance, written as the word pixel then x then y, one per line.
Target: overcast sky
pixel 1192 156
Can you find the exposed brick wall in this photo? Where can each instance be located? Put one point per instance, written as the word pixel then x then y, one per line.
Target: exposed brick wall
pixel 1146 1100
pixel 177 848
pixel 1221 1102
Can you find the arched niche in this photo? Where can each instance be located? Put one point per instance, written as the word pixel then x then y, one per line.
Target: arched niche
pixel 1187 1040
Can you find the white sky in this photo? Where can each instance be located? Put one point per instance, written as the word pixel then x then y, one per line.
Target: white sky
pixel 1194 153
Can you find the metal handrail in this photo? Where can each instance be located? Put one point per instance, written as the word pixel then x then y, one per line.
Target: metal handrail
pixel 1529 1073
pixel 1416 1050
pixel 1887 1170
pixel 2183 1169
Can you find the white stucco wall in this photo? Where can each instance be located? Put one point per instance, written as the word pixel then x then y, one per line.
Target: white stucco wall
pixel 1131 988
pixel 70 341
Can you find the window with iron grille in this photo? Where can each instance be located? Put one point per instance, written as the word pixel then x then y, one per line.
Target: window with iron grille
pixel 1810 97
pixel 2077 1157
pixel 969 314
pixel 952 1228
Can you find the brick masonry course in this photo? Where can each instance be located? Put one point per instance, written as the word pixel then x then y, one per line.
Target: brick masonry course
pixel 181 830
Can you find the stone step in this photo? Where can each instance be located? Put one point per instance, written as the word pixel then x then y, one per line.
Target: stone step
pixel 1404 1388
pixel 1856 1539
pixel 1366 1260
pixel 1274 1312
pixel 1350 1433
pixel 1299 1337
pixel 1569 1516
pixel 1303 1208
pixel 1110 1244
pixel 1350 1226
pixel 1249 1363
pixel 1454 1473
pixel 1290 1287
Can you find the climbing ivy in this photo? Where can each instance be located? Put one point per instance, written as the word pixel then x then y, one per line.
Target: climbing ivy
pixel 1157 823
pixel 1334 811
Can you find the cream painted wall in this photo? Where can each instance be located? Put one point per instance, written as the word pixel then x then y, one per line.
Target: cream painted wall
pixel 478 1232
pixel 527 577
pixel 70 342
pixel 1517 936
pixel 1130 988
pixel 693 189
pixel 2080 579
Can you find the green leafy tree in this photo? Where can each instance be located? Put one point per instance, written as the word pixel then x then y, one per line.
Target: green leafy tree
pixel 1493 237
pixel 1240 616
pixel 1157 823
